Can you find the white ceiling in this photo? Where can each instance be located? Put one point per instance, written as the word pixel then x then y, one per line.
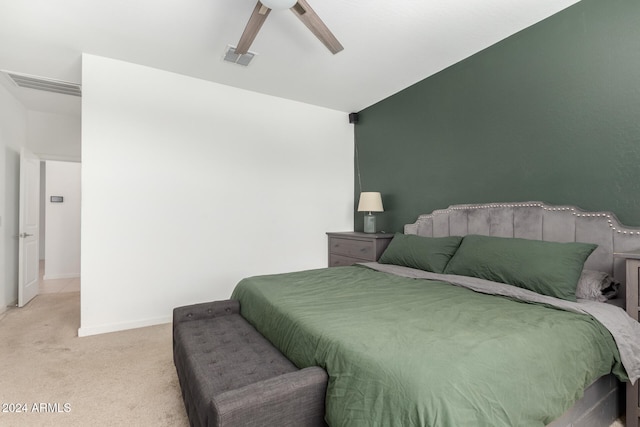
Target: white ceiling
pixel 389 45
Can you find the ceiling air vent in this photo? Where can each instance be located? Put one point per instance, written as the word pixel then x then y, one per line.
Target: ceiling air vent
pixel 231 56
pixel 43 83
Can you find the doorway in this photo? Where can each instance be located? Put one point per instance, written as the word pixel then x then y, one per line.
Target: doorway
pixel 59 226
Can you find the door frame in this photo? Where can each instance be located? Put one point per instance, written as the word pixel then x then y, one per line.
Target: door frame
pixel 29 228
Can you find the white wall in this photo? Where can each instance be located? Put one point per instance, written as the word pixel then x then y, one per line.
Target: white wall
pixel 62 224
pixel 189 186
pixel 54 136
pixel 13 130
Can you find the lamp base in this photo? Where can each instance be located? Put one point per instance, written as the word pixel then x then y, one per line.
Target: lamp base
pixel 369 223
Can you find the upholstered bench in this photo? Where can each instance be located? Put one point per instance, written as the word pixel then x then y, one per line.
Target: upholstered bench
pixel 231 376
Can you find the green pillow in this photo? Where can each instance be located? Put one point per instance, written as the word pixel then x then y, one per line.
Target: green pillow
pixel 424 253
pixel 548 268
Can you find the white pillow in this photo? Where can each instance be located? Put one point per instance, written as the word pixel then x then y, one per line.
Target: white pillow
pixel 592 283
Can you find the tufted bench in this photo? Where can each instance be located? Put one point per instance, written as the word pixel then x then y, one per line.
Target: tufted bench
pixel 231 376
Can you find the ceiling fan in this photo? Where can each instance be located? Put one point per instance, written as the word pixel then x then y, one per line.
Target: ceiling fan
pixel 301 9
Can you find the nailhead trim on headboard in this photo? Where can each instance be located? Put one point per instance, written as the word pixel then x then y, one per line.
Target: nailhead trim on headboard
pixel 573 210
pixel 515 221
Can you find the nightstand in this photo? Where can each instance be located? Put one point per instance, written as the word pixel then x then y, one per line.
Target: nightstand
pixel 632 308
pixel 348 248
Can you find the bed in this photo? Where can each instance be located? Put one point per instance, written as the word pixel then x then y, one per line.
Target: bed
pixel 439 343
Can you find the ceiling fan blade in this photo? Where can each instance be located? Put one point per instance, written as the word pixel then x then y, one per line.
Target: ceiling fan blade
pixel 317 27
pixel 259 15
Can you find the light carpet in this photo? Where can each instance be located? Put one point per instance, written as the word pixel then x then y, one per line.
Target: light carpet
pixel 57 379
pixel 53 378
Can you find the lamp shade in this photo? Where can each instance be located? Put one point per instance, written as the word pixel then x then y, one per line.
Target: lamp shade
pixel 370 201
pixel 278 4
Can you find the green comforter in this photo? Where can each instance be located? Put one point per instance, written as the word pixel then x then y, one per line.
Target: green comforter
pixel 407 352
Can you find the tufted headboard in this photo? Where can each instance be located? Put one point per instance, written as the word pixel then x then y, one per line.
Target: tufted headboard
pixel 539 221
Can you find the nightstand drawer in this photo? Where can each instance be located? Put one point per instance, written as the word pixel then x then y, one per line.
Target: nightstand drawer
pixel 350 247
pixel 340 260
pixel 362 249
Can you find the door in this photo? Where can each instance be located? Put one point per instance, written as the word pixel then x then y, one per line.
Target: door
pixel 29 255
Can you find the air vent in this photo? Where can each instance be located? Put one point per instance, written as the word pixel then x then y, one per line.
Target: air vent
pixel 244 59
pixel 45 84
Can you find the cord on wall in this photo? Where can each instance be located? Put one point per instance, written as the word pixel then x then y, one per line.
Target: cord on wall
pixel 355 145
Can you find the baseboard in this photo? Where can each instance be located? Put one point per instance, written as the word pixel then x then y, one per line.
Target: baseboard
pixel 6 308
pixel 123 326
pixel 61 276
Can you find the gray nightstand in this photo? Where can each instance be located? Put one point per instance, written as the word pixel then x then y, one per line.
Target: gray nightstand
pixel 348 248
pixel 632 259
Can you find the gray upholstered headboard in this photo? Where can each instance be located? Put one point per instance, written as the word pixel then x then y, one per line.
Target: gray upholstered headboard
pixel 539 221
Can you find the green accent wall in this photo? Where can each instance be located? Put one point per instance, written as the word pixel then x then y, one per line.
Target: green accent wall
pixel 551 113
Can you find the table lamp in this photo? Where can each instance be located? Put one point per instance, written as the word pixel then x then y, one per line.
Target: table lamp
pixel 370 201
